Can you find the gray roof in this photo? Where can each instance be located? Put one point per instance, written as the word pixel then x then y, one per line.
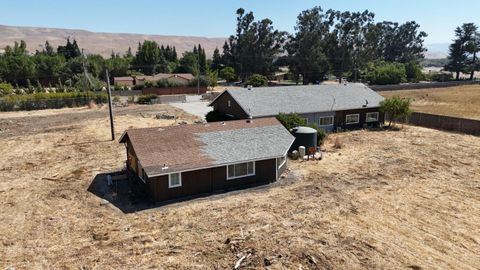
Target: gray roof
pixel 270 101
pixel 246 144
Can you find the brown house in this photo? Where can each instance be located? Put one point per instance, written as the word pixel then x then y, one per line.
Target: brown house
pixel 191 160
pixel 330 107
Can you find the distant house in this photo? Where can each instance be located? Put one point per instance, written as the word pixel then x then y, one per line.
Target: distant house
pixel 180 78
pixel 189 160
pixel 124 81
pixel 329 106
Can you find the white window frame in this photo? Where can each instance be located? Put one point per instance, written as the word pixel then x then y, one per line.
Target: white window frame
pixel 331 117
pixel 352 123
pixel 170 180
pixel 283 163
pixel 375 113
pixel 240 176
pixel 229 103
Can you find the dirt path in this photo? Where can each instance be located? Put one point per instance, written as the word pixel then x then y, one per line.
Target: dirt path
pixel 385 200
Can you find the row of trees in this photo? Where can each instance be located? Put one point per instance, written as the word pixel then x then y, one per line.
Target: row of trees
pixel 463 51
pixel 68 67
pixel 331 42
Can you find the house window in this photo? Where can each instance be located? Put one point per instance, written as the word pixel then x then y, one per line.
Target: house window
pixel 352 119
pixel 174 180
pixel 372 117
pixel 306 120
pixel 229 103
pixel 326 121
pixel 240 170
pixel 281 161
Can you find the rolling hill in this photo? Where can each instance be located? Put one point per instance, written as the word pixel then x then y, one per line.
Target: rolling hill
pixel 99 43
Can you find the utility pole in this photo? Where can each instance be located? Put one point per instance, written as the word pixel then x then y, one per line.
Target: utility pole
pixel 110 104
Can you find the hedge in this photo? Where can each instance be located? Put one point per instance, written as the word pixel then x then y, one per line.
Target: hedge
pixel 40 101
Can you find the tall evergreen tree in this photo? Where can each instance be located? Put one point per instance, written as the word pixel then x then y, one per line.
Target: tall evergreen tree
pixel 462 51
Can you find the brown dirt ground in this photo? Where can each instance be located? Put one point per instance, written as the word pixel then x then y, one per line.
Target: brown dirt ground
pixel 460 101
pixel 385 200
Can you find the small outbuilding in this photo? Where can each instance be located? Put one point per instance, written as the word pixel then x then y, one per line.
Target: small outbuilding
pixel 190 160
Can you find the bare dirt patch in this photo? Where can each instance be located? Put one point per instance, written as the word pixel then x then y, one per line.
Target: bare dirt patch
pixel 459 101
pixel 385 199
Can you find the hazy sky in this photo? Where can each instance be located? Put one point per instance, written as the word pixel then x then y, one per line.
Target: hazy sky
pixel 216 18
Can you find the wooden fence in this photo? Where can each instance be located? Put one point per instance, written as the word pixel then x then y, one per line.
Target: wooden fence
pixel 468 126
pixel 170 99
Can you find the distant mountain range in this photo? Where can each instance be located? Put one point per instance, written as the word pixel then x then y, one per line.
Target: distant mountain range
pixel 104 43
pixel 99 43
pixel 436 50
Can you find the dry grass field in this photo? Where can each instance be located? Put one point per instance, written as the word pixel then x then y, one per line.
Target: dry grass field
pixel 406 199
pixel 460 101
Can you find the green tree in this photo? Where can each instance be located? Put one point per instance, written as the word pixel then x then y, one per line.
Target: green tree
pixel 147 57
pixel 70 50
pixel 464 45
pixel 306 47
pixel 396 108
pixel 254 46
pixel 16 66
pixel 118 66
pixel 49 67
pixel 401 42
pixel 189 63
pixel 381 72
pixel 347 46
pixel 217 61
pixel 228 73
pixel 257 80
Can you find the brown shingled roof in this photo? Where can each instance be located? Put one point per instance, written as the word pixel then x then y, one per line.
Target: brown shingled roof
pixel 180 148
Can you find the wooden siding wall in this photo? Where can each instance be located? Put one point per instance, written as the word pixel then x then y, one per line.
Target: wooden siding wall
pixel 209 181
pixel 221 105
pixel 314 118
pixel 341 115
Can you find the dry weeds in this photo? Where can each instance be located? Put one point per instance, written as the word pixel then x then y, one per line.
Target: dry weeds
pixel 385 200
pixel 460 101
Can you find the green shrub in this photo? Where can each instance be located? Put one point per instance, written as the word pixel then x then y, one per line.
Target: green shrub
pixel 39 101
pixel 149 84
pixel 165 83
pixel 257 80
pixel 413 72
pixel 146 99
pixel 131 99
pixel 6 89
pixel 321 133
pixel 440 77
pixel 381 73
pixel 203 81
pixel 292 120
